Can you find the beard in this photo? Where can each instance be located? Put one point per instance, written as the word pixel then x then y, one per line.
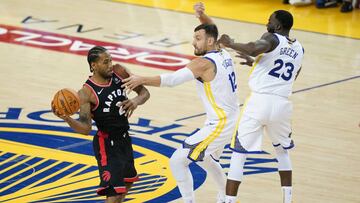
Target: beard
pixel 106 75
pixel 199 53
pixel 271 30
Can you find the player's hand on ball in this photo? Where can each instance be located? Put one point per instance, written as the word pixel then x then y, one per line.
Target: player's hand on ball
pixel 58 112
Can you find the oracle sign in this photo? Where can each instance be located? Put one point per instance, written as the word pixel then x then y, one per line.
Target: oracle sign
pixel 80 46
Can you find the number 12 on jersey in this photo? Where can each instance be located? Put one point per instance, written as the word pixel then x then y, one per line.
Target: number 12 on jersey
pixel 232 78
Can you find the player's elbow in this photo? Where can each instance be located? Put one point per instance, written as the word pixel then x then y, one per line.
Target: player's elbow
pixel 252 51
pixel 143 94
pixel 253 54
pixel 146 94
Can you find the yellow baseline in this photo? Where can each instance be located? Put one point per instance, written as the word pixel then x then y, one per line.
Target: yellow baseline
pixel 309 18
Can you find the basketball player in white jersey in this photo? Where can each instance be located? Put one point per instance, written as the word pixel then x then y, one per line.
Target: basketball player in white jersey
pixel 267 109
pixel 216 84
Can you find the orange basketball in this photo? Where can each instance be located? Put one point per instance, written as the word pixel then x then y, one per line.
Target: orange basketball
pixel 66 101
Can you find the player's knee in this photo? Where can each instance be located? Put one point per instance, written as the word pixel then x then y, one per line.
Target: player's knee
pixel 236 169
pixel 283 158
pixel 178 158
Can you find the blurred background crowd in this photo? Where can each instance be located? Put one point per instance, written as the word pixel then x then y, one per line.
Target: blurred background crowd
pixel 345 5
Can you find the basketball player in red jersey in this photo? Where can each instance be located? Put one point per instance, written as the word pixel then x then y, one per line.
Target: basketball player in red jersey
pixel 104 100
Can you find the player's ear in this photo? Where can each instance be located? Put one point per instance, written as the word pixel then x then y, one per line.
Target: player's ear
pixel 210 40
pixel 92 66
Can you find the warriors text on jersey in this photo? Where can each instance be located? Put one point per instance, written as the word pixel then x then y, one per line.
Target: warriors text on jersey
pixel 274 72
pixel 106 114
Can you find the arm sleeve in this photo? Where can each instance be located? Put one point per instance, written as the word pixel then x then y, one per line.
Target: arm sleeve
pixel 176 78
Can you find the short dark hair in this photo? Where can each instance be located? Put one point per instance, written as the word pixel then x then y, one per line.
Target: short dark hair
pixel 93 54
pixel 210 30
pixel 285 18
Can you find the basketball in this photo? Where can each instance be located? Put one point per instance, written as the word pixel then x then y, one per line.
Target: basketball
pixel 66 101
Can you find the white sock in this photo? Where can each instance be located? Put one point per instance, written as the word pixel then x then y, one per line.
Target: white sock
pixel 287 194
pixel 220 198
pixel 230 199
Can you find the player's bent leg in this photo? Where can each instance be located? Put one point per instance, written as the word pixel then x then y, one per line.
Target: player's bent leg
pixel 285 172
pixel 216 172
pixel 179 164
pixel 235 176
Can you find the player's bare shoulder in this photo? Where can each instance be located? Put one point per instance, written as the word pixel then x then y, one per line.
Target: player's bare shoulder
pixel 200 63
pixel 203 68
pixel 271 39
pixel 86 95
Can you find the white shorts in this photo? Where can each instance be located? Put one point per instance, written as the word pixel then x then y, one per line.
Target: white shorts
pixel 263 113
pixel 211 139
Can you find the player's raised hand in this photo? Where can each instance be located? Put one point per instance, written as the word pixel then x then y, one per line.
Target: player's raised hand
pixel 248 59
pixel 199 9
pixel 132 82
pixel 225 40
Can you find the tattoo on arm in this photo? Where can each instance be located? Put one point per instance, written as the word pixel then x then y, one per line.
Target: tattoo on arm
pixel 85 114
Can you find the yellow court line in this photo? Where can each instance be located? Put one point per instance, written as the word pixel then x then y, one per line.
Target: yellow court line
pixel 49 176
pixel 309 18
pixel 12 159
pixel 46 132
pixel 44 152
pixel 29 176
pixel 16 164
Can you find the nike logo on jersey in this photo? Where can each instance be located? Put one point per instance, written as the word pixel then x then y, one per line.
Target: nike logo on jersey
pixel 99 92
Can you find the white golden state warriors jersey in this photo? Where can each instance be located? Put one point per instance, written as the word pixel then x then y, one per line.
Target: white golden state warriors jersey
pixel 219 95
pixel 275 72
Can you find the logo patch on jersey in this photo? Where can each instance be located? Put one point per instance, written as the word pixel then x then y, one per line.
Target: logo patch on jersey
pixel 106 175
pixel 117 81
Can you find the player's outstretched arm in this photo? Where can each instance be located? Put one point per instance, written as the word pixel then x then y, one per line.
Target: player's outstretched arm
pixel 267 43
pixel 196 68
pixel 199 9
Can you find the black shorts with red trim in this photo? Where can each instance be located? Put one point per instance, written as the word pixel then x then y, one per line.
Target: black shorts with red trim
pixel 114 155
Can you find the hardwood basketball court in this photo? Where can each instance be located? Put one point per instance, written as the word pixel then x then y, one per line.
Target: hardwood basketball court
pixel 43 46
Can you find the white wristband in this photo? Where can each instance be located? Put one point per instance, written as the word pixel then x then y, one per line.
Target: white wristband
pixel 176 78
